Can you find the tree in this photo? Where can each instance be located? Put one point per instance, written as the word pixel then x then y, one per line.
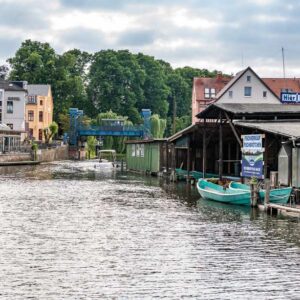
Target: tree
pixel 50 131
pixel 154 87
pixel 115 81
pixel 34 62
pixel 158 126
pixel 4 69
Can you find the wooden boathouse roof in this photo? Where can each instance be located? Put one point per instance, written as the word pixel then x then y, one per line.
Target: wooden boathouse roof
pixel 287 128
pixel 257 110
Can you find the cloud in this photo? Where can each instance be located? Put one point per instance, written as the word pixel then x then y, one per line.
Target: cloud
pixel 200 33
pixel 136 38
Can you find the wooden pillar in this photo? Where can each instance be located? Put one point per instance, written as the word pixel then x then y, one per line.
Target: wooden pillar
pixel 229 158
pixel 266 156
pixel 220 148
pixel 167 156
pixel 188 163
pixel 267 194
pixel 204 153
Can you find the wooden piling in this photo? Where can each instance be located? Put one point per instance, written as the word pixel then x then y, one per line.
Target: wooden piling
pixel 267 195
pixel 254 194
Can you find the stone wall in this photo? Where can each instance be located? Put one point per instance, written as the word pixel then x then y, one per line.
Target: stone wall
pixel 15 157
pixel 59 153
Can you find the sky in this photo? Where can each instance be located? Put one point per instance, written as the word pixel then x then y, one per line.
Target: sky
pixel 224 35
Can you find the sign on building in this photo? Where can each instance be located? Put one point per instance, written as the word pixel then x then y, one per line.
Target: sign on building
pixel 252 156
pixel 290 98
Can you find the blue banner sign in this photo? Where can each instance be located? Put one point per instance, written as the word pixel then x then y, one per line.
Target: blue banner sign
pixel 253 166
pixel 290 98
pixel 252 143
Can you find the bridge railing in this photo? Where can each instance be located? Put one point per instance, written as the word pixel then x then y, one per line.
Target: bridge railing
pixel 112 127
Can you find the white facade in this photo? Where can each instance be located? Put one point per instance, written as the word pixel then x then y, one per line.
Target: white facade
pixel 247 84
pixel 13 110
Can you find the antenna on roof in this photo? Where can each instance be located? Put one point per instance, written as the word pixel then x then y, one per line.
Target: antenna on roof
pixel 283 67
pixel 283 62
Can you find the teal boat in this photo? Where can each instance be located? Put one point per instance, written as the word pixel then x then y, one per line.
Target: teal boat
pixel 277 196
pixel 182 174
pixel 215 192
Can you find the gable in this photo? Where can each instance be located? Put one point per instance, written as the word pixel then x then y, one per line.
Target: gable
pixel 234 92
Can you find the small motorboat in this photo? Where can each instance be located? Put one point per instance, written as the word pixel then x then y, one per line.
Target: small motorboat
pixel 277 196
pixel 215 192
pixel 107 158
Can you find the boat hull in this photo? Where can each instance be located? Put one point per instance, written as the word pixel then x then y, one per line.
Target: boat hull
pixel 214 192
pixel 277 196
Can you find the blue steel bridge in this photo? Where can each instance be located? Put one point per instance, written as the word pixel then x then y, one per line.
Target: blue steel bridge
pixel 109 127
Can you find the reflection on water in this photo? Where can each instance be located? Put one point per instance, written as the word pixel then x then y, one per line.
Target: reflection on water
pixel 71 230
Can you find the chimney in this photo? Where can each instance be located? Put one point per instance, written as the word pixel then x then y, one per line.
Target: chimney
pixel 219 74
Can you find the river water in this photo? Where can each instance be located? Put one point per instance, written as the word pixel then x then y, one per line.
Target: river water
pixel 72 231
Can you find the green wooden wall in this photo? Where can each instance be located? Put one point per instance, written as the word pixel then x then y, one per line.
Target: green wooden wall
pixel 145 160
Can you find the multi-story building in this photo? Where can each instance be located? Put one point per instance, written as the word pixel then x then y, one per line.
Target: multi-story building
pixel 205 91
pixel 12 104
pixel 39 110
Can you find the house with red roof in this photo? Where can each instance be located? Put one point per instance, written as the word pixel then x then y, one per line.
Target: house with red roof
pixel 205 91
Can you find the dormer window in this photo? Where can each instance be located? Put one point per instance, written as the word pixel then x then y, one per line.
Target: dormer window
pixel 264 94
pixel 247 91
pixel 209 93
pixel 248 78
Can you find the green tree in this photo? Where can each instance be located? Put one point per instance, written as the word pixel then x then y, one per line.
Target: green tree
pixel 115 81
pixel 50 131
pixel 154 87
pixel 158 126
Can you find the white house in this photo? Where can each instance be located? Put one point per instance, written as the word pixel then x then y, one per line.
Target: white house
pixel 247 87
pixel 13 96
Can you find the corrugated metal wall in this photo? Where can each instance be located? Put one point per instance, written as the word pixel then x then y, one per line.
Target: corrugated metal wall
pixel 149 162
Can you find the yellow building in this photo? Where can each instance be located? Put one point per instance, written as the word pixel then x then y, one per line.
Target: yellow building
pixel 39 110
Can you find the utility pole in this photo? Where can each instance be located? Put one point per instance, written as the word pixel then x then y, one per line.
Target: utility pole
pixel 174 113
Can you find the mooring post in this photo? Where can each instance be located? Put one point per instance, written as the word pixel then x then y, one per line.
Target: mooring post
pixel 267 195
pixel 253 189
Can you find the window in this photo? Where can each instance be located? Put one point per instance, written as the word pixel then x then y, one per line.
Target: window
pixel 30 115
pixel 10 107
pixel 11 126
pixel 41 102
pixel 13 98
pixel 30 132
pixel 212 93
pixel 133 150
pixel 41 116
pixel 209 93
pixel 40 134
pixel 247 91
pixel 1 116
pixel 230 94
pixel 138 147
pixel 206 93
pixel 248 78
pixel 0 103
pixel 142 150
pixel 32 99
pixel 265 94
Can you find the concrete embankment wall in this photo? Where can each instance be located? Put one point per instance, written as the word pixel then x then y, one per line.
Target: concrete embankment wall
pixel 15 157
pixel 46 155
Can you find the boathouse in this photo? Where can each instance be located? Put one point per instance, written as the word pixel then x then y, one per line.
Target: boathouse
pixel 246 105
pixel 147 156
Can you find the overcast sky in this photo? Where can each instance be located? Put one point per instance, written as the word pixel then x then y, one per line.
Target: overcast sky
pixel 226 35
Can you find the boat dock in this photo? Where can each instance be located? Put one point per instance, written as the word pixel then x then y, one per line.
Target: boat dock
pixel 283 210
